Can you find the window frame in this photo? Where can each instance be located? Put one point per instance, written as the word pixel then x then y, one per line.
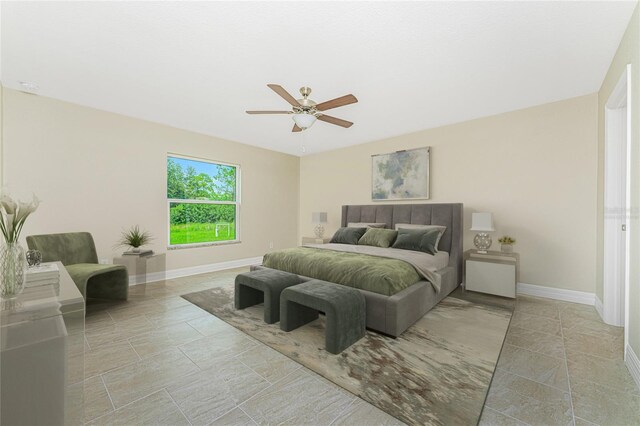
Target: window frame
pixel 237 202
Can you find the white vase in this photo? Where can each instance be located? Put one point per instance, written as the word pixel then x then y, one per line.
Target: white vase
pixel 506 248
pixel 13 267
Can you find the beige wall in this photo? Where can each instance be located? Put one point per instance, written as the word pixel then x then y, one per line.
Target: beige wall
pixel 104 172
pixel 1 132
pixel 628 53
pixel 534 169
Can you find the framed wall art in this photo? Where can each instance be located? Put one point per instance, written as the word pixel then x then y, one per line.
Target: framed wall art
pixel 400 175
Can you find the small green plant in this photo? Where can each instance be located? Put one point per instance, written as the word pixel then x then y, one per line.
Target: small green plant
pixel 506 240
pixel 134 238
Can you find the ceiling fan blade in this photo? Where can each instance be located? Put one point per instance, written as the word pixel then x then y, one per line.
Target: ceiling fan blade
pixel 337 102
pixel 336 121
pixel 284 94
pixel 296 128
pixel 268 112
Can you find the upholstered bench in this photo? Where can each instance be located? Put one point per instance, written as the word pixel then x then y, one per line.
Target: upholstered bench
pixel 263 285
pixel 343 306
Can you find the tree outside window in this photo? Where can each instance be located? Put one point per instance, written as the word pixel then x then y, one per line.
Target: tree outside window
pixel 203 200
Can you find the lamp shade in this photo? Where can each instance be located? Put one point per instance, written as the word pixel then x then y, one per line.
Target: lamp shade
pixel 304 120
pixel 319 217
pixel 482 222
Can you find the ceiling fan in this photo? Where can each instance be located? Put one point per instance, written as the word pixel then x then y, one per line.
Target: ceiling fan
pixel 305 112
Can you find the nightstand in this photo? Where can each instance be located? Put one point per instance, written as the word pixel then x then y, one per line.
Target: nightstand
pixel 493 272
pixel 314 240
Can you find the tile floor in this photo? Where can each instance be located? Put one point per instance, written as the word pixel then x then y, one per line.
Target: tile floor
pixel 158 359
pixel 561 364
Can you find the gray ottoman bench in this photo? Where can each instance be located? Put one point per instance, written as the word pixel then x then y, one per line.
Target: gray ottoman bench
pixel 343 306
pixel 263 285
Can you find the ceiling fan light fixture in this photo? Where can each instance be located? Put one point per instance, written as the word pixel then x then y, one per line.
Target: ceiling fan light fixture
pixel 304 120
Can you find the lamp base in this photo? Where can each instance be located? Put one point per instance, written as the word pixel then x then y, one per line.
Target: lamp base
pixel 319 231
pixel 482 241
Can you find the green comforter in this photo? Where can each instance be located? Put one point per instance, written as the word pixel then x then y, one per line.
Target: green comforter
pixel 372 273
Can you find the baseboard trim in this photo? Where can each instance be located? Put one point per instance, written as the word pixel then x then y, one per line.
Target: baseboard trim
pixel 523 288
pixel 633 364
pixel 599 307
pixel 557 293
pixel 193 270
pixel 137 279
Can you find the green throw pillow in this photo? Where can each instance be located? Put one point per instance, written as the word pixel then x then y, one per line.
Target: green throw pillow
pixel 348 235
pixel 378 237
pixel 417 240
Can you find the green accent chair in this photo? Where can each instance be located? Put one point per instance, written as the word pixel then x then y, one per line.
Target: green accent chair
pixel 77 252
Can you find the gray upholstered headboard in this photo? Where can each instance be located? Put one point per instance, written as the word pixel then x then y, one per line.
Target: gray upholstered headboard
pixel 449 215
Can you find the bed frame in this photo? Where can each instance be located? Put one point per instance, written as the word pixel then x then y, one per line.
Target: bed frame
pixel 392 315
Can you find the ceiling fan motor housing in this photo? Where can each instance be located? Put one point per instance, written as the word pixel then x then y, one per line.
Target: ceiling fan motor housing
pixel 306 104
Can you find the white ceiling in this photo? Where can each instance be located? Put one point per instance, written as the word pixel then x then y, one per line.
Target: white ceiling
pixel 412 65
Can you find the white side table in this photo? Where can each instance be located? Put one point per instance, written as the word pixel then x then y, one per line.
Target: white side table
pixel 493 272
pixel 314 240
pixel 144 268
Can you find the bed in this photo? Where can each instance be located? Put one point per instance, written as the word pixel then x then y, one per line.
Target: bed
pixel 394 312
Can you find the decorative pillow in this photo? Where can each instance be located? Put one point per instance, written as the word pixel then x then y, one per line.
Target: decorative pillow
pixel 366 225
pixel 378 237
pixel 417 240
pixel 414 226
pixel 348 235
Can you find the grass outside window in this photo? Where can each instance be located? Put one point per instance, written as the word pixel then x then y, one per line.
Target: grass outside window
pixel 202 201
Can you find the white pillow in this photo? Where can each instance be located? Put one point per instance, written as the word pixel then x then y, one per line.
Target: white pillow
pixel 440 228
pixel 366 225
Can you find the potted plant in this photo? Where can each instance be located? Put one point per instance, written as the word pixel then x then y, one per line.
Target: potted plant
pixel 506 244
pixel 134 238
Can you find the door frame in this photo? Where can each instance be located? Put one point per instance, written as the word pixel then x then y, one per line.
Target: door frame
pixel 615 303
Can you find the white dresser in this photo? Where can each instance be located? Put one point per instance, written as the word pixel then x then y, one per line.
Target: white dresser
pixel 493 272
pixel 42 355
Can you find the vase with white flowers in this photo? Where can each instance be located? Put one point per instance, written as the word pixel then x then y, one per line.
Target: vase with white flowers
pixel 13 262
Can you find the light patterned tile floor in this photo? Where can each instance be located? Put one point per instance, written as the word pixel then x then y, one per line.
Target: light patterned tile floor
pixel 157 359
pixel 561 365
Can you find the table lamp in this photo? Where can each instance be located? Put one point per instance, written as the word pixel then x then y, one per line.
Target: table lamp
pixel 483 223
pixel 319 218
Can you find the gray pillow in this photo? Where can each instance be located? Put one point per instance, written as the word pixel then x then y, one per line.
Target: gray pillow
pixel 417 240
pixel 366 225
pixel 378 237
pixel 348 235
pixel 441 228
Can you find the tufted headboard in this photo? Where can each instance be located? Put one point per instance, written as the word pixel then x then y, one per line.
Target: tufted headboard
pixel 449 215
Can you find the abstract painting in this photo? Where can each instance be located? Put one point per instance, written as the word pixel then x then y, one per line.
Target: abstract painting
pixel 400 175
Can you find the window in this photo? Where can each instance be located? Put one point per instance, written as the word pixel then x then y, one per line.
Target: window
pixel 203 201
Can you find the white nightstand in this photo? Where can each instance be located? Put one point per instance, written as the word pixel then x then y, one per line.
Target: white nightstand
pixel 493 272
pixel 314 240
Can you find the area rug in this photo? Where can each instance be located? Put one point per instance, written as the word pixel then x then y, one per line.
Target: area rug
pixel 436 372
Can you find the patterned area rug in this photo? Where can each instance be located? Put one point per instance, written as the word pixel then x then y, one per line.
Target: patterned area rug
pixel 436 372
